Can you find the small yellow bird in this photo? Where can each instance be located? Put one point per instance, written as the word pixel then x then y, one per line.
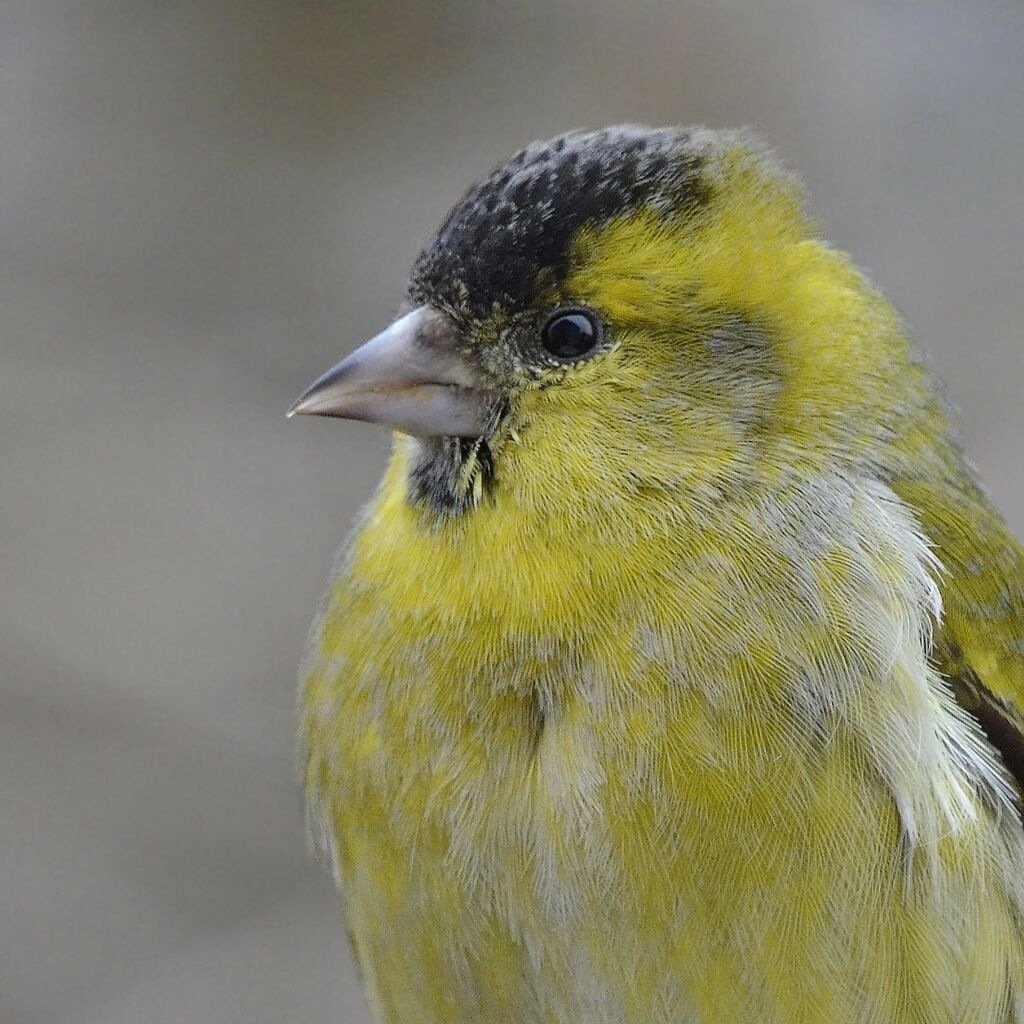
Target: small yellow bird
pixel 675 674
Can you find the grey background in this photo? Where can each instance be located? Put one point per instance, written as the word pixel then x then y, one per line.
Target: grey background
pixel 203 205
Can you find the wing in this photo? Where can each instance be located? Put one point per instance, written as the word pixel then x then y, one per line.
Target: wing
pixel 979 646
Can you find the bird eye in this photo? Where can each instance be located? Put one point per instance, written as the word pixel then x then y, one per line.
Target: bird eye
pixel 569 333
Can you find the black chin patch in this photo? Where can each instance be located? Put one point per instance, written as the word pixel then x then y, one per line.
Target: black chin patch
pixel 444 474
pixel 514 230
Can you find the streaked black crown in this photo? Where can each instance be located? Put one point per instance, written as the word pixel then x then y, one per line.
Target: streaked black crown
pixel 522 218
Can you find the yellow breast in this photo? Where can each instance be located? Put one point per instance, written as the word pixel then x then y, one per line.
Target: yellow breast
pixel 568 775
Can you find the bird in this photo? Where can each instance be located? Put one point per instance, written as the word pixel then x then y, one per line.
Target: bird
pixel 675 672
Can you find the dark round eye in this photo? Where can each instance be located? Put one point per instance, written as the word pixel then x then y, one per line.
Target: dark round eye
pixel 569 333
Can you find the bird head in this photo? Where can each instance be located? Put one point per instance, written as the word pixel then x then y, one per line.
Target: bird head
pixel 627 311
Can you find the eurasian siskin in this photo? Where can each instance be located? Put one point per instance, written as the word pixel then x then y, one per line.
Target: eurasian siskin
pixel 675 673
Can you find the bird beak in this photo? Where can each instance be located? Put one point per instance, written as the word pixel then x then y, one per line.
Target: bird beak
pixel 410 377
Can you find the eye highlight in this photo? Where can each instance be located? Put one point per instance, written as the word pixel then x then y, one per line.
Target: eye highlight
pixel 570 333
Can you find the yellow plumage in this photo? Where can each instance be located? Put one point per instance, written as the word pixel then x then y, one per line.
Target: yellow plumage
pixel 652 727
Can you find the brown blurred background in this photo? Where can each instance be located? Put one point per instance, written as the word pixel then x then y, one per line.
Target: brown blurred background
pixel 203 205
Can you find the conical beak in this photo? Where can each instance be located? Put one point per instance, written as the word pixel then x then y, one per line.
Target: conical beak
pixel 410 377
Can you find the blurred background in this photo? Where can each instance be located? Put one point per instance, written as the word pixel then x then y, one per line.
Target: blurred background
pixel 204 205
